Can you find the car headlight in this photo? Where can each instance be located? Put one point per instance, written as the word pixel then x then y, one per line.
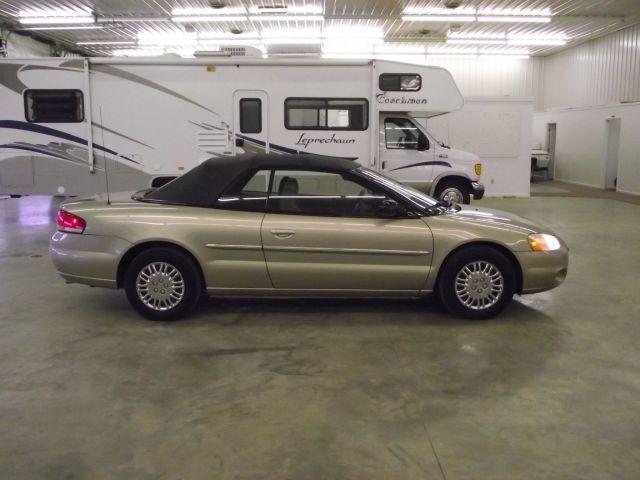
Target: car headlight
pixel 478 168
pixel 543 242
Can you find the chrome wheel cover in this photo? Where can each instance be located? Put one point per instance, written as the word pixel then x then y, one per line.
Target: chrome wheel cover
pixel 452 195
pixel 479 285
pixel 160 286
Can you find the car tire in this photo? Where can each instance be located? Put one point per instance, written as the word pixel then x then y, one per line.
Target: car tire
pixel 163 284
pixel 456 190
pixel 477 282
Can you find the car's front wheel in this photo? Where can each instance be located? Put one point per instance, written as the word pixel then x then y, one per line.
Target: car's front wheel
pixel 162 283
pixel 477 282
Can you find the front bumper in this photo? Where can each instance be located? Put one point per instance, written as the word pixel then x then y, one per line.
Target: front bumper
pixel 87 259
pixel 543 270
pixel 478 190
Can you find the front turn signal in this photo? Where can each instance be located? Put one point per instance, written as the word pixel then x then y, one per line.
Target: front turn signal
pixel 478 168
pixel 543 242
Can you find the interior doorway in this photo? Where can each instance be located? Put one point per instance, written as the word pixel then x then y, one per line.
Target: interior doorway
pixel 551 148
pixel 612 152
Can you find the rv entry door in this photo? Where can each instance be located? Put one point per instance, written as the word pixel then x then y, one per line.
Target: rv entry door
pixel 405 151
pixel 251 121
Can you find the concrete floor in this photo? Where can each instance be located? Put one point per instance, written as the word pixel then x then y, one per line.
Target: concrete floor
pixel 325 389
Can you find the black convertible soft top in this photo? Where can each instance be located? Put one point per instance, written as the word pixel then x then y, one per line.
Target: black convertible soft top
pixel 202 185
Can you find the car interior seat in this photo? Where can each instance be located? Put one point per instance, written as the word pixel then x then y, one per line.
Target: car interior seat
pixel 289 188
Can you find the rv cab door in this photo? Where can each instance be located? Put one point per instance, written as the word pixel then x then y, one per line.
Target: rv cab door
pixel 405 151
pixel 251 121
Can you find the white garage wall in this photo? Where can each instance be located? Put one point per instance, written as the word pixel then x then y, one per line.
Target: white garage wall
pixel 21 46
pixel 581 142
pixel 498 130
pixel 582 87
pixel 494 77
pixel 600 72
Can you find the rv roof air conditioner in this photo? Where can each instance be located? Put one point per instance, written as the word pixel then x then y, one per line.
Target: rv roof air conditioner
pixel 211 53
pixel 241 50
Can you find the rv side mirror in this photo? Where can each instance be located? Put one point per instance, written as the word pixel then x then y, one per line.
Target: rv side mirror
pixel 423 143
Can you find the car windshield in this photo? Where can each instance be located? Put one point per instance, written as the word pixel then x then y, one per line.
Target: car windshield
pixel 416 197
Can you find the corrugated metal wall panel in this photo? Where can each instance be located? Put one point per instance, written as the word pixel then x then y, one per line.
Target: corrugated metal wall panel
pixel 599 72
pixel 494 76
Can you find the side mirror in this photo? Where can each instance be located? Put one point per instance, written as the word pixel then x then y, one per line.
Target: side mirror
pixel 423 143
pixel 388 208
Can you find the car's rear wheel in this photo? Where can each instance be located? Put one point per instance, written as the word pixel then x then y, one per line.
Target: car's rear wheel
pixel 162 283
pixel 477 282
pixel 453 191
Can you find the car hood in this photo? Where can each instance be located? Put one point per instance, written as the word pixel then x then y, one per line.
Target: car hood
pixel 469 224
pixel 498 219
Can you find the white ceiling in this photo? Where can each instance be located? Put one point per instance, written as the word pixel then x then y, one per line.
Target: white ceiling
pixel 574 20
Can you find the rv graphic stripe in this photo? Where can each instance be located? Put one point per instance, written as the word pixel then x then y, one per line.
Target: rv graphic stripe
pixel 35 149
pixel 34 127
pixel 420 164
pixel 281 149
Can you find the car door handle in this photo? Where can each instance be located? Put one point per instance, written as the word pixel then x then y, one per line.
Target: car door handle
pixel 283 233
pixel 443 155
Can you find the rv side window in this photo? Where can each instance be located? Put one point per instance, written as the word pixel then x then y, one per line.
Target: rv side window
pixel 250 115
pixel 53 106
pixel 326 114
pixel 400 82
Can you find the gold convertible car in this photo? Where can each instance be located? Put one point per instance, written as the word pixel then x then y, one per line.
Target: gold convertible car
pixel 300 225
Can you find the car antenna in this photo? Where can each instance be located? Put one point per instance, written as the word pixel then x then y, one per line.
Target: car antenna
pixel 104 156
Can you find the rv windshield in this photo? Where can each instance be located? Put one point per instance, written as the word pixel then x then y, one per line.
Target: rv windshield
pixel 421 200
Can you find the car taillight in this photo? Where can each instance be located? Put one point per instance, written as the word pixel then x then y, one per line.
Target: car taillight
pixel 68 222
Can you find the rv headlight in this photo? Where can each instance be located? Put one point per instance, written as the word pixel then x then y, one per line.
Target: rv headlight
pixel 478 168
pixel 543 242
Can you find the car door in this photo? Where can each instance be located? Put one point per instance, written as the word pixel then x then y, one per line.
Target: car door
pixel 231 236
pixel 405 151
pixel 322 233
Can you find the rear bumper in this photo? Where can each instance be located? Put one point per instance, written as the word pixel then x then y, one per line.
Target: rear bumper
pixel 478 190
pixel 543 270
pixel 87 259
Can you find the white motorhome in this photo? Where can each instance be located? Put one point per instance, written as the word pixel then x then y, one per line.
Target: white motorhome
pixel 79 126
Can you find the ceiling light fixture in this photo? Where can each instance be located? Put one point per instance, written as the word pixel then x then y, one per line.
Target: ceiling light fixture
pixel 439 11
pixel 439 18
pixel 176 12
pixel 291 41
pixel 474 41
pixel 208 18
pixel 57 20
pixel 298 10
pixel 286 18
pixel 66 27
pixel 106 42
pixel 131 19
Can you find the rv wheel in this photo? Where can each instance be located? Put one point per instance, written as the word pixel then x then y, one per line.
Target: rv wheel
pixel 453 191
